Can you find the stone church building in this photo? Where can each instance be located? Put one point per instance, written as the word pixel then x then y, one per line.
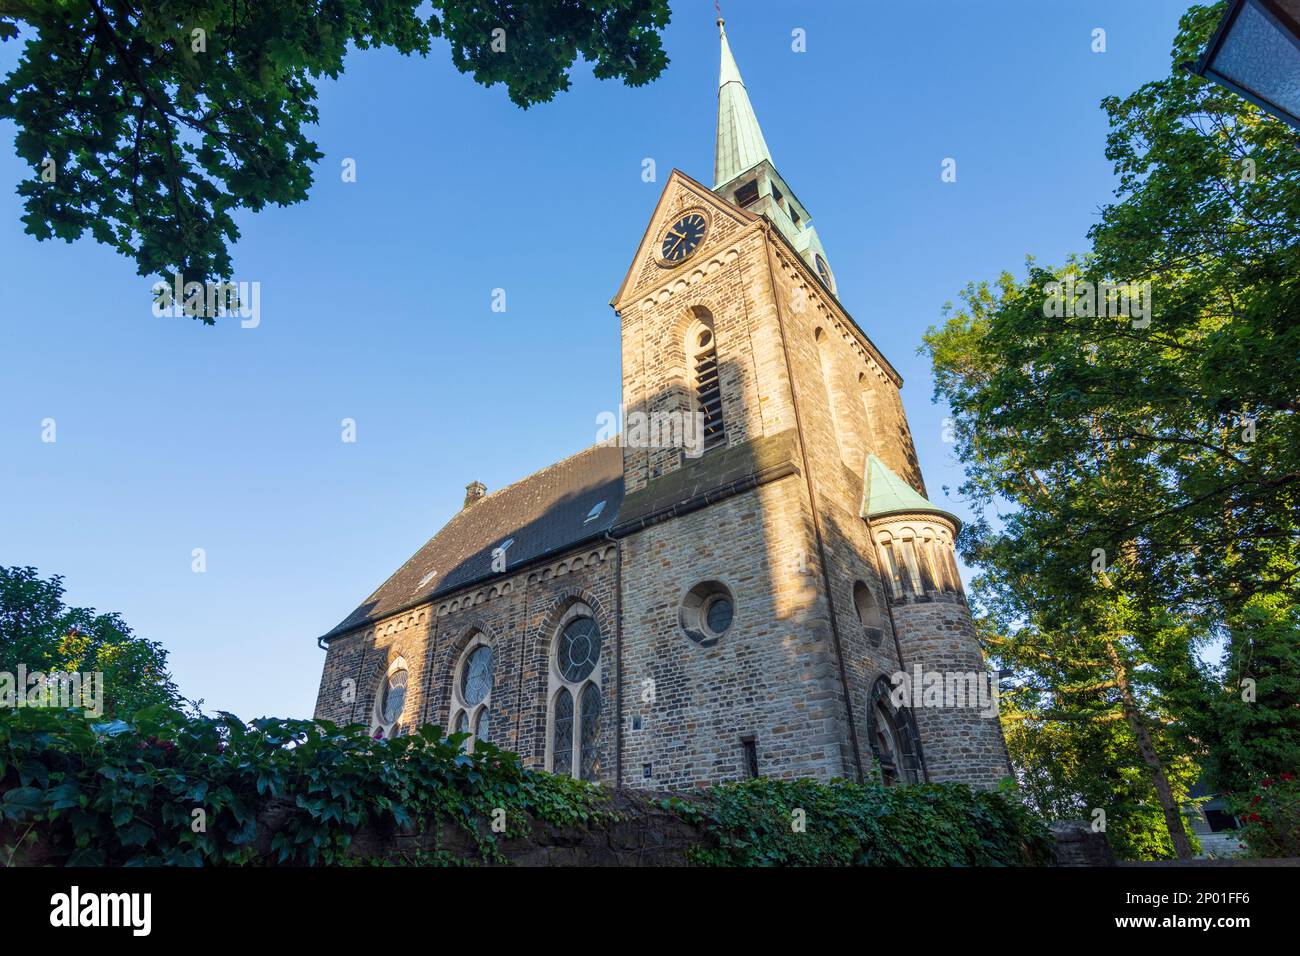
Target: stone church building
pixel 670 614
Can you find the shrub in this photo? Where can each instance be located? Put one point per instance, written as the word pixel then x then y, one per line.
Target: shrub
pixel 768 822
pixel 171 789
pixel 1271 818
pixel 109 794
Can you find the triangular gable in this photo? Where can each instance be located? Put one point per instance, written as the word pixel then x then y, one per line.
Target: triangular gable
pixel 657 221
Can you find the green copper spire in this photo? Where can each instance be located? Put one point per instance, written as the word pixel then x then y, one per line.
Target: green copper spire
pixel 744 174
pixel 887 494
pixel 740 145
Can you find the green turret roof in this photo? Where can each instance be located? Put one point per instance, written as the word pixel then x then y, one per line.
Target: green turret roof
pixel 887 494
pixel 740 145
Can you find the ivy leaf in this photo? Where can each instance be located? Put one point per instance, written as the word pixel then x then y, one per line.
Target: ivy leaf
pixel 33 770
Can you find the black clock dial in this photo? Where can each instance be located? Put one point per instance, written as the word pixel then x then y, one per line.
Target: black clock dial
pixel 683 237
pixel 824 271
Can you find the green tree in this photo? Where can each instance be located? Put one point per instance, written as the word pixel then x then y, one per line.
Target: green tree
pixel 1139 481
pixel 1209 211
pixel 40 632
pixel 150 125
pixel 1250 725
pixel 1072 767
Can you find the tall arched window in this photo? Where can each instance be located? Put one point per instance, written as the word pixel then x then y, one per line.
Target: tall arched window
pixel 706 384
pixel 893 739
pixel 887 746
pixel 573 743
pixel 896 577
pixel 953 574
pixel 390 701
pixel 589 733
pixel 828 382
pixel 907 549
pixel 471 691
pixel 562 733
pixel 937 572
pixel 864 602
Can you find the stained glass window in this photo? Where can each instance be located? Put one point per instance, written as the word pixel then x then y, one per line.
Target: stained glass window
pixel 718 615
pixel 589 760
pixel 394 697
pixel 579 649
pixel 563 737
pixel 476 676
pixel 482 726
pixel 887 747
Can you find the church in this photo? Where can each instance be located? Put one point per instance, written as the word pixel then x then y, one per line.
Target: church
pixel 737 602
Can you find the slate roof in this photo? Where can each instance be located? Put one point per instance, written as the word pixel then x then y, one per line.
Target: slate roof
pixel 544 514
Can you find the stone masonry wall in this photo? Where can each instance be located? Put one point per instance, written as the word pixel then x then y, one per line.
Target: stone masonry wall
pixel 771 677
pixel 518 614
pixel 849 407
pixel 962 743
pixel 841 384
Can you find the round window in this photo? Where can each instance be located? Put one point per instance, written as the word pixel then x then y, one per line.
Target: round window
pixel 476 678
pixel 717 614
pixel 707 612
pixel 579 649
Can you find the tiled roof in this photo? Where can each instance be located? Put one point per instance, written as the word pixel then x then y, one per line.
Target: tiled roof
pixel 543 514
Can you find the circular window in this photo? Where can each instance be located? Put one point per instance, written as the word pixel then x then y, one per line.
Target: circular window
pixel 476 678
pixel 394 697
pixel 579 649
pixel 717 614
pixel 707 612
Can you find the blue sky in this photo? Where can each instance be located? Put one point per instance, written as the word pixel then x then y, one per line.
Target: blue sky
pixel 376 300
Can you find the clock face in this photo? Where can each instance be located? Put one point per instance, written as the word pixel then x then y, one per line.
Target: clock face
pixel 683 237
pixel 824 271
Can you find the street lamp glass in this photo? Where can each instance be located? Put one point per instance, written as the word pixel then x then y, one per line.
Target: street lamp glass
pixel 1259 55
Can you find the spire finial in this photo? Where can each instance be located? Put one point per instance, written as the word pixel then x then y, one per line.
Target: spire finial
pixel 720 20
pixel 740 146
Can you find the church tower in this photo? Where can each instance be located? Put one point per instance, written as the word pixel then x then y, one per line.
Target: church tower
pixel 764 624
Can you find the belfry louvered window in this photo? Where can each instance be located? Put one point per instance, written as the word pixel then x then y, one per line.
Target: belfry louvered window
pixel 708 389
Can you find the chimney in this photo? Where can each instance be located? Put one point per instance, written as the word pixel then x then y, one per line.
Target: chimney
pixel 474 491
